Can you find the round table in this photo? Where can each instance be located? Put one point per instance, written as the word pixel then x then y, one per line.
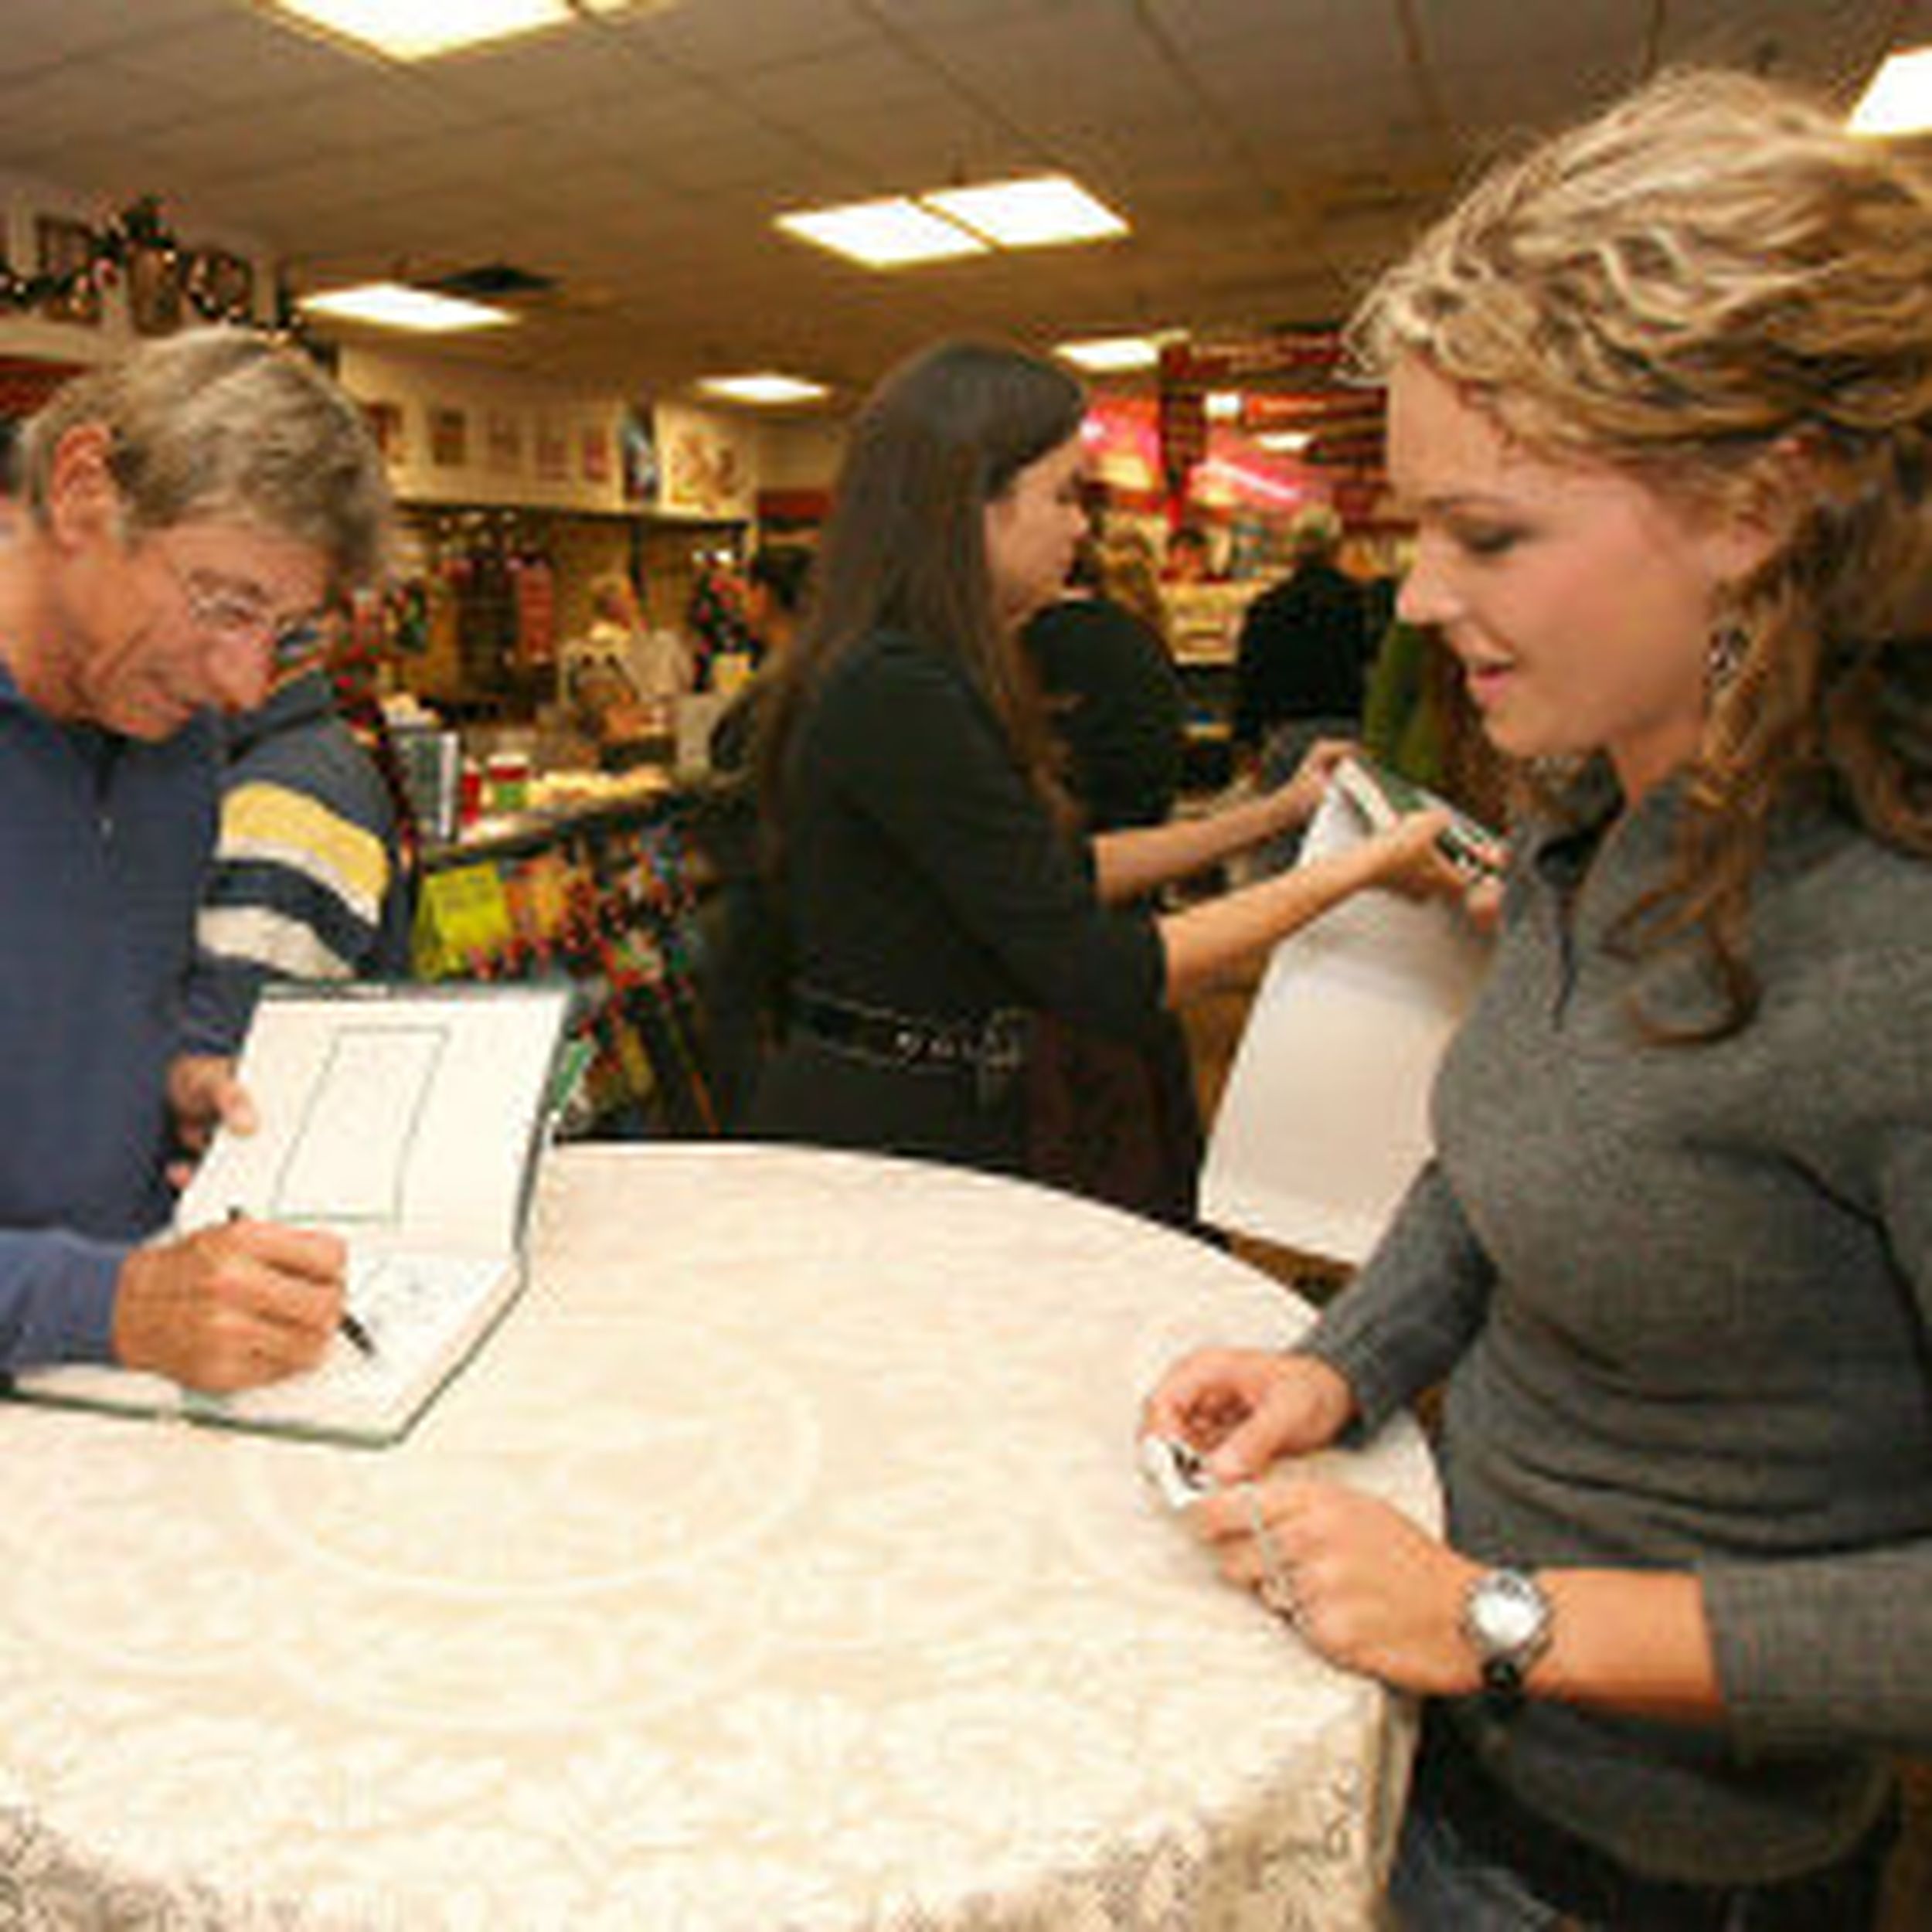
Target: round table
pixel 781 1561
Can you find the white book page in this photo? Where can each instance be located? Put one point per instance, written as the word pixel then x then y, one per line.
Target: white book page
pixel 1324 1120
pixel 411 1115
pixel 352 1145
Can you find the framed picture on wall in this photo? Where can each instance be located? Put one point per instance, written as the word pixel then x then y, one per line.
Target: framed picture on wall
pixel 503 436
pixel 66 248
pixel 552 450
pixel 385 421
pixel 637 443
pixel 154 292
pixel 228 284
pixel 449 438
pixel 593 452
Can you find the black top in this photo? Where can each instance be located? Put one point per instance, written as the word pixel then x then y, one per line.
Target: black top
pixel 1304 652
pixel 923 875
pixel 1116 702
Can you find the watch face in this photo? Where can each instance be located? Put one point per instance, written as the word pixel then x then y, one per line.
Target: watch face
pixel 1506 1618
pixel 1509 1618
pixel 1508 1614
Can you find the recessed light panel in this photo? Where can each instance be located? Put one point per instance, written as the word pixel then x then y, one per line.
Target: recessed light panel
pixel 1045 211
pixel 421 29
pixel 1899 101
pixel 393 305
pixel 894 232
pixel 1111 355
pixel 767 387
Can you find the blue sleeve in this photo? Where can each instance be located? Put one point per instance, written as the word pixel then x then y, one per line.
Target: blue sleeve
pixel 56 1298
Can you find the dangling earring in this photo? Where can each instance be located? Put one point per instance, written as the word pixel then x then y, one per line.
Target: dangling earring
pixel 1724 654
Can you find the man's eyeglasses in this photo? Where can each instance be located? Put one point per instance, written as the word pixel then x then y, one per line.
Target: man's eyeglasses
pixel 234 617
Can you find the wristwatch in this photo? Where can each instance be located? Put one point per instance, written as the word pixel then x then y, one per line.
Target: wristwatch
pixel 1507 1620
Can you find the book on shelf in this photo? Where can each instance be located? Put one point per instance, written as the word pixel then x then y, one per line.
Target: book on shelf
pixel 409 1119
pixel 1324 1120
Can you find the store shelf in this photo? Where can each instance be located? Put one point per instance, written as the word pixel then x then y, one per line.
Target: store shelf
pixel 606 892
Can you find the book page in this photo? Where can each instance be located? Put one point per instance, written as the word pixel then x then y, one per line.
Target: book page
pixel 353 1143
pixel 1324 1120
pixel 410 1113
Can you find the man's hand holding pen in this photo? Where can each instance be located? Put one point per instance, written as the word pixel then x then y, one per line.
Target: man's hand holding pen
pixel 231 1307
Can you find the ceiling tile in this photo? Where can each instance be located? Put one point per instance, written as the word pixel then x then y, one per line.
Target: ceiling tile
pixel 239 55
pixel 729 42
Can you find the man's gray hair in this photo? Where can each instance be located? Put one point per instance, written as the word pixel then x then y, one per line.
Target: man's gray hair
pixel 220 422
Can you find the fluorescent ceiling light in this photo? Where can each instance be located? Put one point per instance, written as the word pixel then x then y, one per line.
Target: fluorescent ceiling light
pixel 1040 212
pixel 890 233
pixel 766 387
pixel 1108 354
pixel 1287 441
pixel 391 305
pixel 421 29
pixel 1222 405
pixel 1899 100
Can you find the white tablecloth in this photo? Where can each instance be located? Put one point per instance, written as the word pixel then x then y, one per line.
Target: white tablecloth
pixel 781 1562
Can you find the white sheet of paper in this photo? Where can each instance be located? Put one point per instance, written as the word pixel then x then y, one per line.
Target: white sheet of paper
pixel 1324 1120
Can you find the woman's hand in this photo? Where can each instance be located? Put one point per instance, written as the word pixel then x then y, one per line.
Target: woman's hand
pixel 1242 1408
pixel 1296 801
pixel 1361 1582
pixel 1412 858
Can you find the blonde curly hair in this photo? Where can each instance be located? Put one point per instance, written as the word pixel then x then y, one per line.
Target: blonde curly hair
pixel 1715 288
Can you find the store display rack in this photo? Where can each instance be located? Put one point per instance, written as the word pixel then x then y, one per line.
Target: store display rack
pixel 607 896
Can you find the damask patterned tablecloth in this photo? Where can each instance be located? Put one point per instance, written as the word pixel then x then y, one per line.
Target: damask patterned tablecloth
pixel 781 1562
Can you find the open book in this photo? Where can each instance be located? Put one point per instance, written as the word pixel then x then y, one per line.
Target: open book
pixel 409 1120
pixel 1324 1120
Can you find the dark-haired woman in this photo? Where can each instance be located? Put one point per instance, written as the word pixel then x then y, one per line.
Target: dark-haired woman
pixel 966 977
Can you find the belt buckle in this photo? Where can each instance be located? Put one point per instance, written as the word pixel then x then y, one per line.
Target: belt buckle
pixel 1002 1054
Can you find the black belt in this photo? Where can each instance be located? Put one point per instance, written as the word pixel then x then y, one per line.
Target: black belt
pixel 1575 1877
pixel 991 1052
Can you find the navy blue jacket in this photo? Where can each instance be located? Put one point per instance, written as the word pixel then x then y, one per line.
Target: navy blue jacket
pixel 103 843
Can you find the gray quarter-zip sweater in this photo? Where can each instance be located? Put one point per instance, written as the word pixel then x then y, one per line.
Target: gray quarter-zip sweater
pixel 1680 1295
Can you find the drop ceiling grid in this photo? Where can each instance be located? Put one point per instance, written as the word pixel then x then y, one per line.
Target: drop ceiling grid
pixel 1269 151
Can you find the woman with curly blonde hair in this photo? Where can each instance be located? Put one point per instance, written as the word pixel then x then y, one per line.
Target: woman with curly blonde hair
pixel 1660 398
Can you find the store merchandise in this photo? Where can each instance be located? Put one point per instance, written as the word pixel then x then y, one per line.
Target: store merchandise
pixel 608 898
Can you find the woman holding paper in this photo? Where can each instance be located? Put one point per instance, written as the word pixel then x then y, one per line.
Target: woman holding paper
pixel 935 898
pixel 1661 402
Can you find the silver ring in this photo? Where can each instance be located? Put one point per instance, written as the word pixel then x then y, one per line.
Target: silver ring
pixel 1277 1589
